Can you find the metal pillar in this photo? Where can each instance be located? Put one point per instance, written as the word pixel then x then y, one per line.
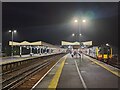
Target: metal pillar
pixel 37 50
pixel 20 51
pixel 12 45
pixel 30 50
pixel 40 50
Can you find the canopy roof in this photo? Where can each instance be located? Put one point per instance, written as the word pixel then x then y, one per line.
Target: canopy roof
pixel 26 43
pixel 88 43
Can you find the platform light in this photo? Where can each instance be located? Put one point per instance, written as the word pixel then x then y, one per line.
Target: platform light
pixel 24 46
pixel 107 44
pixel 28 47
pixel 80 34
pixel 69 46
pixel 9 31
pixel 76 20
pixel 84 21
pixel 73 34
pixel 15 31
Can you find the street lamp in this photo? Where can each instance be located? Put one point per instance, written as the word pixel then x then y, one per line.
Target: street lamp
pixel 107 44
pixel 80 34
pixel 79 26
pixel 12 31
pixel 84 21
pixel 76 20
pixel 73 34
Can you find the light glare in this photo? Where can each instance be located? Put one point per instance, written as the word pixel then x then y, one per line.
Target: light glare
pixel 107 44
pixel 15 31
pixel 76 20
pixel 73 34
pixel 84 20
pixel 10 31
pixel 80 34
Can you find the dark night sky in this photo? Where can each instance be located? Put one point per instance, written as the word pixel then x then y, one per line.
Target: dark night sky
pixel 53 22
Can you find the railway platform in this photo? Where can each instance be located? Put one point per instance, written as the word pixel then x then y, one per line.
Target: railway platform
pixel 84 72
pixel 17 58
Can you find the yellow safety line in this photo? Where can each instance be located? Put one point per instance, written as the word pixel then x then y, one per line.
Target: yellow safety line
pixel 54 81
pixel 117 73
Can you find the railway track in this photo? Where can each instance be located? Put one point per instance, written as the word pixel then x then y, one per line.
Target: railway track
pixel 28 61
pixel 13 78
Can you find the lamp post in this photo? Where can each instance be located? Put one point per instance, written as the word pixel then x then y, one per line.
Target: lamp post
pixel 12 32
pixel 79 33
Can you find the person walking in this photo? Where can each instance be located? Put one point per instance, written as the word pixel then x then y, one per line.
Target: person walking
pixel 71 53
pixel 79 53
pixel 75 53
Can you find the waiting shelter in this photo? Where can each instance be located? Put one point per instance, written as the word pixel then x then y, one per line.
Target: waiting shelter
pixel 42 47
pixel 76 45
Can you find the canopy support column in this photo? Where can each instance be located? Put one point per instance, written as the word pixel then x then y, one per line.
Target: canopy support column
pixel 30 50
pixel 40 50
pixel 20 51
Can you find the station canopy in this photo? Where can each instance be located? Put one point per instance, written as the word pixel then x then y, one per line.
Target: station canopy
pixel 26 43
pixel 87 43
